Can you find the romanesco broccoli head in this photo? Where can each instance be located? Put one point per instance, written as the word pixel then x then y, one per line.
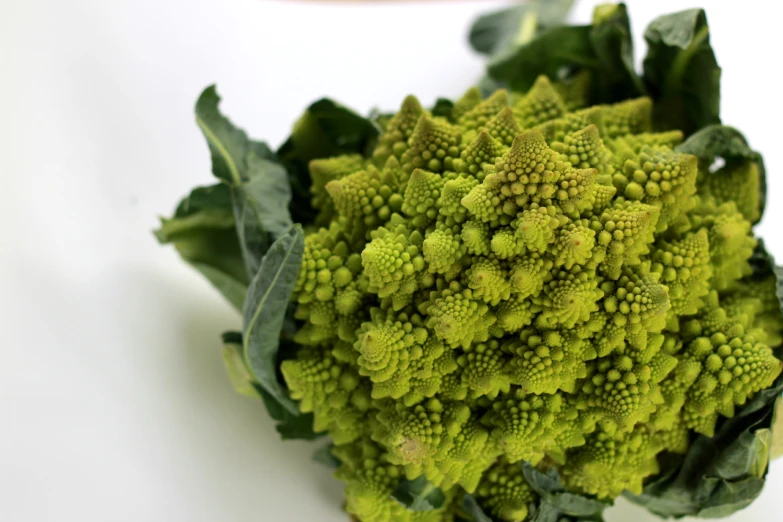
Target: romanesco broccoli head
pixel 524 279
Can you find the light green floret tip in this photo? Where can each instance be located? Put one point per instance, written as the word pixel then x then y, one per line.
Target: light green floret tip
pixel 322 171
pixel 483 369
pixel 423 190
pixel 523 424
pixel 525 279
pixel 332 391
pixel 392 259
pixel 394 142
pixel 734 366
pixel 475 236
pixel 541 103
pixel 505 493
pixel 450 198
pixel 443 250
pixel 612 463
pixel 416 436
pixel 433 145
pixel 661 178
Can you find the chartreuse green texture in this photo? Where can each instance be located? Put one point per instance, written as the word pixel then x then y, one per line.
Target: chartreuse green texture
pixel 517 306
pixel 481 295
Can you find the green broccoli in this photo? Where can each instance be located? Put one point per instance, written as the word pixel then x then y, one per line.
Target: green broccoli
pixel 510 279
pixel 519 305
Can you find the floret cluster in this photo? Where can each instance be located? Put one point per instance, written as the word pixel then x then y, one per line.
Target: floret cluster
pixel 525 279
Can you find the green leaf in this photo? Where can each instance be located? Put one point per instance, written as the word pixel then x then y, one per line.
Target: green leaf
pixel 777 430
pixel 265 308
pixel 549 53
pixel 719 475
pixel 229 146
pixel 443 108
pixel 325 129
pixel 324 456
pixel 546 512
pixel 419 495
pixel 290 426
pixel 729 144
pixel 202 230
pixel 761 262
pixel 555 503
pixel 212 197
pixel 261 209
pixel 502 29
pixel 552 492
pixel 543 512
pixel 718 141
pixel 681 72
pixel 260 192
pixel 472 510
pixel 615 78
pixel 604 49
pixel 236 368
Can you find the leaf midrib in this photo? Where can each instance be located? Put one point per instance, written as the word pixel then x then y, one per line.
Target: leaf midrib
pixel 232 168
pixel 251 325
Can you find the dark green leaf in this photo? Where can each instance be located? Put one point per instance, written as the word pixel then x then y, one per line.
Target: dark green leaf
pixel 551 491
pixel 443 108
pixel 261 209
pixel 324 456
pixel 615 79
pixel 546 512
pixel 719 475
pixel 727 143
pixel 543 483
pixel 761 261
pixel 473 511
pixel 604 49
pixel 212 197
pixel 779 276
pixel 265 308
pixel 229 145
pixel 419 494
pixel 681 72
pixel 325 129
pixel 202 230
pixel 499 30
pixel 548 53
pixel 290 426
pixel 260 191
pixel 268 190
pixel 718 141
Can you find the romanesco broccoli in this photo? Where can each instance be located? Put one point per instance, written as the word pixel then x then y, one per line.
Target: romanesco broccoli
pixel 526 279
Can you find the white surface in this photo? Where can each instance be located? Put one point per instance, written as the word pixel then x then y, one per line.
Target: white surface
pixel 113 399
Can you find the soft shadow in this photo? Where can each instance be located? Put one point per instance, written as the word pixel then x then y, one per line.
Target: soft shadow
pixel 226 437
pixel 201 323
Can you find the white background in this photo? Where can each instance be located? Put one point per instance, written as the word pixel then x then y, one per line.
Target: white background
pixel 113 401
